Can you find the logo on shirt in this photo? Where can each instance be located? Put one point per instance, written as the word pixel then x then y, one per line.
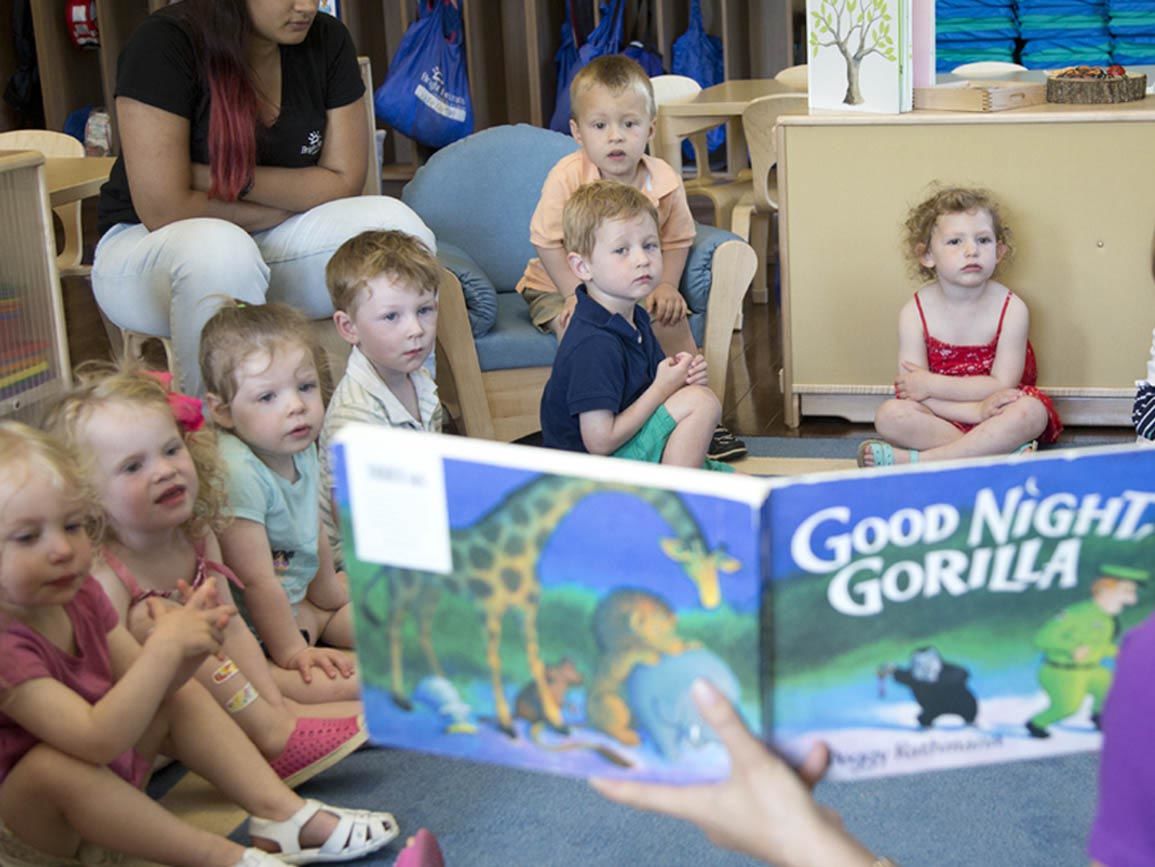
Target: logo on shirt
pixel 282 561
pixel 438 78
pixel 313 146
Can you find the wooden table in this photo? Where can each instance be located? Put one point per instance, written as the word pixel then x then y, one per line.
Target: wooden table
pixel 722 103
pixel 70 179
pixel 1077 189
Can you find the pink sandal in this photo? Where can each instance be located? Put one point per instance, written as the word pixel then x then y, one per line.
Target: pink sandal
pixel 421 850
pixel 317 744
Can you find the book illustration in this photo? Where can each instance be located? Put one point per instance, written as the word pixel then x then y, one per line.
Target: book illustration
pixel 969 615
pixel 922 618
pixel 856 31
pixel 610 628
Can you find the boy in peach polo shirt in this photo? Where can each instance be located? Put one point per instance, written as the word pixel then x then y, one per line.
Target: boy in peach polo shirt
pixel 613 118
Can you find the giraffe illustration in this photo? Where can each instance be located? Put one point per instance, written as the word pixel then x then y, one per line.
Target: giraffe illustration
pixel 495 561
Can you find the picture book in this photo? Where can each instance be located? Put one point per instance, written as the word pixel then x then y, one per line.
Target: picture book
pixel 550 610
pixel 858 54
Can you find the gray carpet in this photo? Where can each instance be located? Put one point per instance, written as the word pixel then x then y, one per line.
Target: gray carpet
pixel 1022 814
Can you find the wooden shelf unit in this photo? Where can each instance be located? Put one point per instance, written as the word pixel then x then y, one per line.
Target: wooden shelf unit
pixel 29 289
pixel 509 45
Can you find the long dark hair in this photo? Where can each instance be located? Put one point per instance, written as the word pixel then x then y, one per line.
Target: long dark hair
pixel 220 31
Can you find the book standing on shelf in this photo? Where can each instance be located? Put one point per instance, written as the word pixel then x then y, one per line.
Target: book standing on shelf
pixel 864 55
pixel 550 611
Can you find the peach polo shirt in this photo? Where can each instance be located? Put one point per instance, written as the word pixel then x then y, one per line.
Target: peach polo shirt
pixel 663 187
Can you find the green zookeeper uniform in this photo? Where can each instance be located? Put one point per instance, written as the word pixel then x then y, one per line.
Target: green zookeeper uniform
pixel 1067 681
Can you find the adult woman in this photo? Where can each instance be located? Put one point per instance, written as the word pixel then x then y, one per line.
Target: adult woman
pixel 243 153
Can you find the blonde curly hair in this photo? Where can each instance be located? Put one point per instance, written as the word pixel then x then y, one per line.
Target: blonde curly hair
pixel 921 220
pixel 22 447
pixel 100 384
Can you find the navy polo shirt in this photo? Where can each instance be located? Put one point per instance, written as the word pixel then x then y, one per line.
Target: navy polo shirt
pixel 603 362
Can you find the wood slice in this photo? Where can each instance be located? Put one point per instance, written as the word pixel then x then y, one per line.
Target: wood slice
pixel 1097 91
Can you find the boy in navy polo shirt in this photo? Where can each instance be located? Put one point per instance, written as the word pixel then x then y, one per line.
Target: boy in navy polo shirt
pixel 612 391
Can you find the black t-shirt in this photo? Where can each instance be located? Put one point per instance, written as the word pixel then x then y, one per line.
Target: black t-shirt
pixel 159 67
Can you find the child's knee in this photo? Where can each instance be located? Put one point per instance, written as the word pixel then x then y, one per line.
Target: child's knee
pixel 892 414
pixel 694 400
pixel 1030 414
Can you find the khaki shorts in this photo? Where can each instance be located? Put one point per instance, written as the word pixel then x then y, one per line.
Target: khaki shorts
pixel 649 443
pixel 16 853
pixel 544 307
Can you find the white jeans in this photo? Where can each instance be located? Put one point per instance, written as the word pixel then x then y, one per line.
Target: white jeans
pixel 168 283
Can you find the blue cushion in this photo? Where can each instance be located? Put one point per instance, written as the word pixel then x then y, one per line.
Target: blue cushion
pixel 514 342
pixel 480 193
pixel 480 296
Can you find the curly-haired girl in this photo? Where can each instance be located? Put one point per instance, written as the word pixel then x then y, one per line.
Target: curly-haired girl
pixel 966 371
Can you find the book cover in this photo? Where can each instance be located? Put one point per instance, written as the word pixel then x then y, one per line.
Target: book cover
pixel 859 56
pixel 548 610
pixel 954 616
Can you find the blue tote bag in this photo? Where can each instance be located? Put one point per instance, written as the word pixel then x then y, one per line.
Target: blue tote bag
pixel 426 93
pixel 643 47
pixel 606 38
pixel 698 55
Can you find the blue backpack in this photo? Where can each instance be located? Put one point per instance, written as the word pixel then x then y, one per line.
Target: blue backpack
pixel 426 92
pixel 698 55
pixel 606 38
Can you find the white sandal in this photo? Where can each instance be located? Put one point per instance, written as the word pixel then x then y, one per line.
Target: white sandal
pixel 258 858
pixel 358 833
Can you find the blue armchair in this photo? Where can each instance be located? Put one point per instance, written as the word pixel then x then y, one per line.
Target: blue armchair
pixel 478 195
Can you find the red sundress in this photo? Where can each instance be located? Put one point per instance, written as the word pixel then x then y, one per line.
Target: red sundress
pixel 951 360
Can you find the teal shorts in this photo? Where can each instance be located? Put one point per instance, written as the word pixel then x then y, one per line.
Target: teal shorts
pixel 649 442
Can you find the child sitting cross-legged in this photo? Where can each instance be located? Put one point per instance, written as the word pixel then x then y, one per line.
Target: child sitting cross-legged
pixel 383 285
pixel 612 391
pixel 966 370
pixel 261 367
pixel 613 113
pixel 85 708
pixel 158 476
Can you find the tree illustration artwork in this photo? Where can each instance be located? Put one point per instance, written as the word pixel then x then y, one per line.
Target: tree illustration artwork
pixel 857 28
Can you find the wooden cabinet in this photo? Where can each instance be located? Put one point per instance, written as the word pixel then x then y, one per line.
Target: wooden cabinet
pixel 509 45
pixel 1081 230
pixel 33 343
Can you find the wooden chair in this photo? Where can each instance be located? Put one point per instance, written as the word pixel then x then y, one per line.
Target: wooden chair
pixel 752 215
pixel 723 193
pixel 69 256
pixel 56 144
pixel 496 362
pixel 797 78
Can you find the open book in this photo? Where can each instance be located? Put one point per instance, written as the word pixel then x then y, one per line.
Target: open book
pixel 550 610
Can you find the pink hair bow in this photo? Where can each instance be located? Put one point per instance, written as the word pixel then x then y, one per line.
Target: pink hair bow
pixel 187 411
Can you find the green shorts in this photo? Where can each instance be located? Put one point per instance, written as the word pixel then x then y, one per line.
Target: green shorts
pixel 649 443
pixel 544 307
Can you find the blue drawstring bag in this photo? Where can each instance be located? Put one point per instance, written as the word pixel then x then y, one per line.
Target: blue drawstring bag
pixel 643 47
pixel 698 55
pixel 567 63
pixel 426 92
pixel 606 38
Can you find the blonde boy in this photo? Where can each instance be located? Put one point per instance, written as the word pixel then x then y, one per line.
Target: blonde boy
pixel 383 285
pixel 613 108
pixel 612 391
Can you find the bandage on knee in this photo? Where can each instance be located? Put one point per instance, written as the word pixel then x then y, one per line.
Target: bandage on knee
pixel 241 699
